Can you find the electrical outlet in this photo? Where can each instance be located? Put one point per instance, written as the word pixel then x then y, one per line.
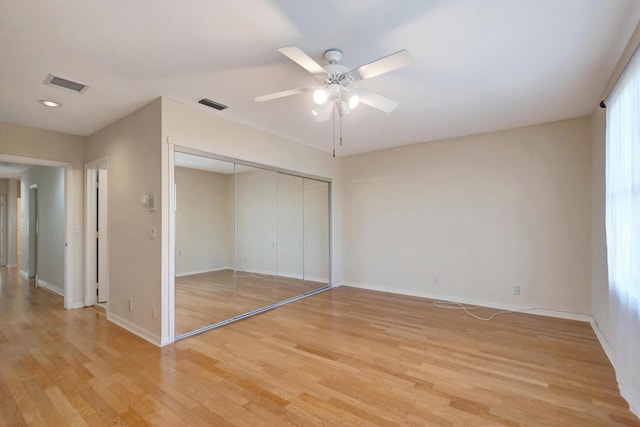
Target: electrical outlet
pixel 516 289
pixel 153 313
pixel 130 304
pixel 436 280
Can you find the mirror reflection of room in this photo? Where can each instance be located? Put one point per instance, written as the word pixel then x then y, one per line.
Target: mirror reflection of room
pixel 246 238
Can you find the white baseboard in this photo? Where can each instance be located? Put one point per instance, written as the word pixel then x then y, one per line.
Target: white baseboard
pixel 490 304
pixel 206 270
pixel 634 407
pixel 604 342
pixel 290 276
pixel 260 272
pixel 48 286
pixel 24 274
pixel 317 279
pixel 73 305
pixel 134 329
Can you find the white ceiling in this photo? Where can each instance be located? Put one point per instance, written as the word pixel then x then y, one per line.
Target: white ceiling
pixel 480 65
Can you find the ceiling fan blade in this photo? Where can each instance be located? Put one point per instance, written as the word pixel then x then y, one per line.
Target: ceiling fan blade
pixel 324 112
pixel 376 100
pixel 281 94
pixel 397 60
pixel 302 59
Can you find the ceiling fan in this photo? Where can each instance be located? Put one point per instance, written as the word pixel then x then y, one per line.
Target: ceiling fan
pixel 337 83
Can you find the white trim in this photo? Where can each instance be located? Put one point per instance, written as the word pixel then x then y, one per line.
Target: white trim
pixel 206 270
pixel 604 342
pixel 315 279
pixel 290 276
pixel 496 305
pixel 168 215
pixel 74 305
pixel 89 229
pixel 260 272
pixel 69 194
pixel 24 274
pixel 135 329
pixel 48 286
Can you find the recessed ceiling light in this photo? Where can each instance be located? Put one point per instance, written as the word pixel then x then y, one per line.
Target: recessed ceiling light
pixel 49 103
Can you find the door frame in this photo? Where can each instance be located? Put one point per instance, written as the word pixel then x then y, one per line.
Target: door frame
pixel 4 230
pixel 90 250
pixel 33 231
pixel 68 223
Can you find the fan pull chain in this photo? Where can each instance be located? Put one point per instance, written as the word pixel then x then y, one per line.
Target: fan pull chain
pixel 333 118
pixel 340 130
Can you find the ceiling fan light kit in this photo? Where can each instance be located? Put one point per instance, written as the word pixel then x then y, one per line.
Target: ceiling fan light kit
pixel 338 92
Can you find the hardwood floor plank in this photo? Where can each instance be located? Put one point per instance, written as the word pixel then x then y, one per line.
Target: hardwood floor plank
pixel 345 357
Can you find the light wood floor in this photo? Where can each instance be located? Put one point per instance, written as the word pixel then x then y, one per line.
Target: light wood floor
pixel 207 298
pixel 342 357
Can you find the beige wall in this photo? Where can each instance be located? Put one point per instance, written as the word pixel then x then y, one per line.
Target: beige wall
pixel 471 217
pixel 132 146
pixel 204 216
pixel 23 142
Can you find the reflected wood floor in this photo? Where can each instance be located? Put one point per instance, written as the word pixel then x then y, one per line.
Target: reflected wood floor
pixel 207 298
pixel 345 357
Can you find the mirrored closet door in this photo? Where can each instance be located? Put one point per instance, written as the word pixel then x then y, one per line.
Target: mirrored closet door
pixel 247 238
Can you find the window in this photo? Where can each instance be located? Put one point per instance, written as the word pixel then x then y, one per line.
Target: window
pixel 623 228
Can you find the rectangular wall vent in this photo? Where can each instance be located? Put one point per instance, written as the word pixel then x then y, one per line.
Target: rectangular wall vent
pixel 212 104
pixel 65 84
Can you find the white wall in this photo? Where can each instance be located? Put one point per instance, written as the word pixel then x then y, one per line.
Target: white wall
pixel 43 147
pixel 203 221
pixel 471 217
pixel 132 146
pixel 51 225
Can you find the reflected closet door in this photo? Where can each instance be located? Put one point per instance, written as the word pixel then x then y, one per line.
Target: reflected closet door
pixel 316 234
pixel 255 238
pixel 290 235
pixel 204 285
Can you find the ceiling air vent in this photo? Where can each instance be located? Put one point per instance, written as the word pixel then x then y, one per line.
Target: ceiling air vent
pixel 65 84
pixel 212 104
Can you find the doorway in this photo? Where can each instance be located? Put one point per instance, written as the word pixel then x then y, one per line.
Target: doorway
pixel 97 256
